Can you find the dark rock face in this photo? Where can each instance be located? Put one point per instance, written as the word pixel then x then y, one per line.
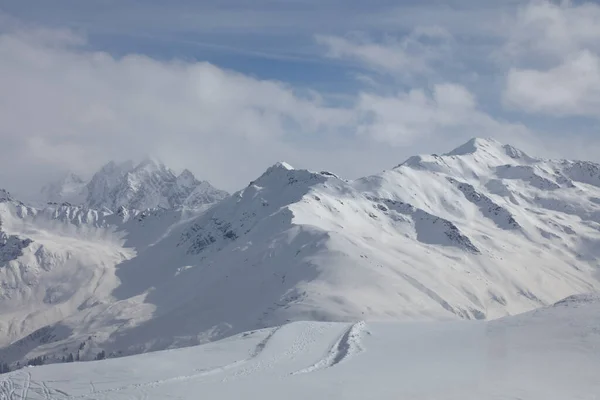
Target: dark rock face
pixel 11 247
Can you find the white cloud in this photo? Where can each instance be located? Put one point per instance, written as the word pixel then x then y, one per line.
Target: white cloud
pixel 555 30
pixel 412 54
pixel 63 107
pixel 448 113
pixel 572 88
pixel 555 52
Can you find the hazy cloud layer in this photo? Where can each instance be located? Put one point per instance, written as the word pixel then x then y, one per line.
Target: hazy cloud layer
pixel 448 110
pixel 555 48
pixel 66 106
pixel 412 54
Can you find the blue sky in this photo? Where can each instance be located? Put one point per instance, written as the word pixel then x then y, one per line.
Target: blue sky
pixel 227 88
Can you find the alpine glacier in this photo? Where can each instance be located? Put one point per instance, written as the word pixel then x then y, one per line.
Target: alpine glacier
pixel 481 232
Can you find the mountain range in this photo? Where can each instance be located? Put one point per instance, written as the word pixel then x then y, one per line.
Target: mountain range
pixel 150 260
pixel 149 184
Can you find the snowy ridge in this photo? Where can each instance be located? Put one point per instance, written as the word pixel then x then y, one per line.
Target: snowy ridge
pixel 482 232
pixel 348 345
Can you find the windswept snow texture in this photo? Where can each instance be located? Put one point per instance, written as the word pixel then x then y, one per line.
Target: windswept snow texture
pixel 149 184
pixel 478 233
pixel 549 354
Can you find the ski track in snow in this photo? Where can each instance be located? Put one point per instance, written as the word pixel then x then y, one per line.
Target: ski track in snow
pixel 46 390
pixel 270 361
pixel 264 358
pixel 348 345
pixel 261 346
pixel 7 390
pixel 29 389
pixel 94 393
pixel 551 354
pixel 10 391
pixel 26 385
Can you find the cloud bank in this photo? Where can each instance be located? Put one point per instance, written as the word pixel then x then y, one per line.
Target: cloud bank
pixel 65 106
pixel 556 50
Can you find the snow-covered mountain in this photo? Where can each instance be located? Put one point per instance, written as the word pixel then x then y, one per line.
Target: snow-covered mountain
pixel 549 354
pixel 149 184
pixel 481 232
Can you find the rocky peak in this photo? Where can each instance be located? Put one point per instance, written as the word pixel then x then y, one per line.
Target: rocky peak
pixel 187 179
pixel 5 196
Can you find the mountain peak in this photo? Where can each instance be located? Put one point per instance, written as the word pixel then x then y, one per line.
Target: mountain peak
pixel 186 179
pixel 282 165
pixel 148 184
pixel 277 168
pixel 112 167
pixel 489 146
pixel 5 195
pixel 150 164
pixel 109 166
pixel 477 156
pixel 186 174
pixel 474 145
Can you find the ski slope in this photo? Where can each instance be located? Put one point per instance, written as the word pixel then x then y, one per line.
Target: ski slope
pixel 550 353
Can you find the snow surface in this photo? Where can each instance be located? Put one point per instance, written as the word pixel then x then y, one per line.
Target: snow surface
pixel 473 234
pixel 551 353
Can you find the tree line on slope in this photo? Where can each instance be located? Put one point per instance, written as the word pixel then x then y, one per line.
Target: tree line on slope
pixel 41 360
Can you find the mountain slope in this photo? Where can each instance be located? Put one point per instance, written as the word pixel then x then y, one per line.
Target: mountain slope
pixel 552 353
pixel 479 233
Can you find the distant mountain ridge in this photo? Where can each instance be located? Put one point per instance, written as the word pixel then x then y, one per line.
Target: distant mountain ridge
pixel 149 184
